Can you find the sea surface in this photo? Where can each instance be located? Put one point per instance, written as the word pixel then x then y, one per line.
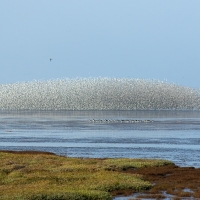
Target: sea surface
pixel 172 135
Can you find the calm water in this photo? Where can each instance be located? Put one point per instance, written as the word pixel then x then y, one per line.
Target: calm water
pixel 171 135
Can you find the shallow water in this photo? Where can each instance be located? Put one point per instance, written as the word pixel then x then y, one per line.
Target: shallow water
pixel 171 135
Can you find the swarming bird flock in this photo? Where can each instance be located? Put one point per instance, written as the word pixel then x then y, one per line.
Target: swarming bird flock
pixel 97 94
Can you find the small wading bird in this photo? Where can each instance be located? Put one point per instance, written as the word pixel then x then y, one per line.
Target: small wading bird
pixel 51 59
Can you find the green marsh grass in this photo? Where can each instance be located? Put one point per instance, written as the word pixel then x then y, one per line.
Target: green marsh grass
pixel 45 176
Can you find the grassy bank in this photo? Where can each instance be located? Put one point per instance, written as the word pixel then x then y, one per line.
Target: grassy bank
pixel 42 176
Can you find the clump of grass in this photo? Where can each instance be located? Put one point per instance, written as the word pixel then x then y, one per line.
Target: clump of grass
pixel 43 176
pixel 127 163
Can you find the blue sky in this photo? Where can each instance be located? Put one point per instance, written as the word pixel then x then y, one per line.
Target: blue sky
pixel 147 39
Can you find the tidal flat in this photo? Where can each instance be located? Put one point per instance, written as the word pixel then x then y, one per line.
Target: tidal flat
pixel 42 175
pixel 168 135
pixel 99 155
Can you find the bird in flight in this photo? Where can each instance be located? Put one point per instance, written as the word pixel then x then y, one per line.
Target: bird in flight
pixel 51 59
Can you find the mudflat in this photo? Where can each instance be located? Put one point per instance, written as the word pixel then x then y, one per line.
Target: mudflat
pixel 169 181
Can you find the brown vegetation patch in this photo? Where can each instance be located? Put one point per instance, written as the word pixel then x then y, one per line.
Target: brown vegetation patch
pixel 122 192
pixel 181 182
pixel 28 152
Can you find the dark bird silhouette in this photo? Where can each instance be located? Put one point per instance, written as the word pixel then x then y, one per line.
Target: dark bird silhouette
pixel 51 59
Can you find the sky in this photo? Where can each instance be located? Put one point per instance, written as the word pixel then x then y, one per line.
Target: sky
pixel 145 39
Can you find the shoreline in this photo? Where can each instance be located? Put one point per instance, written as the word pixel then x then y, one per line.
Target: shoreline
pixel 167 180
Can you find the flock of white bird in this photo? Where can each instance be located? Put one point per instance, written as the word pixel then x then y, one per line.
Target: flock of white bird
pixel 97 94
